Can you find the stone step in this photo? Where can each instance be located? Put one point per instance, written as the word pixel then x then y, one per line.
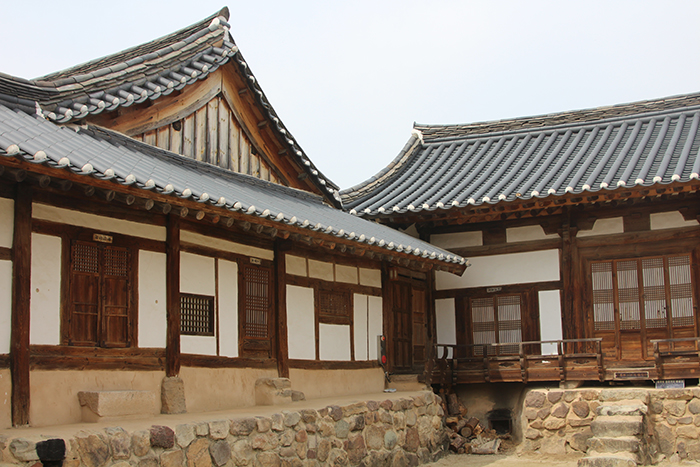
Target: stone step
pixel 607 460
pixel 630 444
pixel 97 406
pixel 618 425
pixel 406 383
pixel 623 407
pixel 276 391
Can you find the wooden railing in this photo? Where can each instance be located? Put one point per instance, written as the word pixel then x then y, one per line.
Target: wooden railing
pixel 571 359
pixel 575 359
pixel 673 357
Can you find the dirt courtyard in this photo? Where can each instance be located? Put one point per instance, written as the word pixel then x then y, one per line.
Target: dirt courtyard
pixel 525 460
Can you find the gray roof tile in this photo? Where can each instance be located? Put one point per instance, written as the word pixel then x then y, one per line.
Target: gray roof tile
pixel 647 143
pixel 106 150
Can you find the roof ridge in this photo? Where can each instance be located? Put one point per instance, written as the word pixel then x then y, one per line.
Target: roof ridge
pixel 122 56
pixel 560 118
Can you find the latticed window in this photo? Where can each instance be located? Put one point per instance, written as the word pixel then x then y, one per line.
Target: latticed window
pixel 497 319
pixel 196 315
pixel 334 306
pixel 100 295
pixel 255 310
pixel 653 292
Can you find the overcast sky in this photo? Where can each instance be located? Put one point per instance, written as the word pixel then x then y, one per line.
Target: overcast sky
pixel 349 78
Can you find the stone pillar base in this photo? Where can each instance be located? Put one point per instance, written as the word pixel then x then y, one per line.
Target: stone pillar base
pixel 172 395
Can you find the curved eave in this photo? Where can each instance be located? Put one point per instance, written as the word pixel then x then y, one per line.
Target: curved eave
pixel 203 193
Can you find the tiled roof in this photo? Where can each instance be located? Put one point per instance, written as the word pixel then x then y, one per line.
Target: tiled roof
pixel 446 166
pixel 147 72
pixel 97 153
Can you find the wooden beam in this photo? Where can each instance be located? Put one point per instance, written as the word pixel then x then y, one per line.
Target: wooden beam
pixel 5 254
pixel 172 274
pixel 21 291
pixel 281 247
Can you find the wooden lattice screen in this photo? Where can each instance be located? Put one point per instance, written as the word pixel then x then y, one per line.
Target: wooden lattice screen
pixel 497 319
pixel 100 295
pixel 196 315
pixel 257 301
pixel 654 292
pixel 334 306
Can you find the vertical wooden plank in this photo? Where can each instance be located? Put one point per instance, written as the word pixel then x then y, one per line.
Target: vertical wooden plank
pixel 223 148
pixel 234 134
pixel 172 282
pixel 163 137
pixel 254 165
pixel 273 178
pixel 21 281
pixel 387 318
pixel 188 136
pixel 569 331
pixel 245 155
pixel 176 137
pixel 200 134
pixel 281 247
pixel 212 134
pixel 264 171
pixel 150 137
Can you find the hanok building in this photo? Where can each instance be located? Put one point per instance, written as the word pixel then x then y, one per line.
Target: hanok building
pixel 582 229
pixel 158 219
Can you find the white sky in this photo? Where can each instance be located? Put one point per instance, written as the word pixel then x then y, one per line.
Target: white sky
pixel 349 78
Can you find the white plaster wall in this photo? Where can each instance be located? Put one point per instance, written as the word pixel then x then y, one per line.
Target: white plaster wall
pixel 321 270
pixel 7 222
pixel 295 265
pixel 228 308
pixel 550 319
pixel 93 221
pixel 670 220
pixel 375 324
pixel 152 299
pixel 334 342
pixel 371 277
pixel 360 328
pixel 45 303
pixel 445 323
pixel 197 277
pixel 347 274
pixel 219 244
pixel 458 239
pixel 5 307
pixel 527 233
pixel 604 227
pixel 301 329
pixel 515 268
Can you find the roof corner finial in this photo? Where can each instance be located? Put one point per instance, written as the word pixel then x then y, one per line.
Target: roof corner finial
pixel 418 134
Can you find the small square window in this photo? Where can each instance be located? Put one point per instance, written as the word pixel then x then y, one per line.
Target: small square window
pixel 334 306
pixel 196 315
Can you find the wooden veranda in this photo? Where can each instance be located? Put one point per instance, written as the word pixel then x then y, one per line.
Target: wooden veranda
pixel 565 360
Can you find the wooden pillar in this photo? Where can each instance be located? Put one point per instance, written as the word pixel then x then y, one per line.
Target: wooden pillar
pixel 570 325
pixel 21 282
pixel 172 274
pixel 282 340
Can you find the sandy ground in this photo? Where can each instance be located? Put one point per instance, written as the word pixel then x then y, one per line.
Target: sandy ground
pixel 525 460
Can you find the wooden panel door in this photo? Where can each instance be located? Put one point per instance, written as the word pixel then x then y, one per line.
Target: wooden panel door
pixel 640 299
pixel 420 331
pixel 402 326
pixel 255 311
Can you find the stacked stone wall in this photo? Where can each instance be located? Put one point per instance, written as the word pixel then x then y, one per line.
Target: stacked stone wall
pixel 402 432
pixel 558 421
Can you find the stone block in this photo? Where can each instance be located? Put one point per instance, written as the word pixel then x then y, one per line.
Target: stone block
pixel 113 405
pixel 162 437
pixel 607 461
pixel 535 399
pixel 580 408
pixel 273 391
pixel 51 450
pixel 614 426
pixel 617 444
pixel 172 395
pixel 675 407
pixel 622 408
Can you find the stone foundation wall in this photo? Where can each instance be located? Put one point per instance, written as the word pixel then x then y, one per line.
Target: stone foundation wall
pixel 406 431
pixel 558 421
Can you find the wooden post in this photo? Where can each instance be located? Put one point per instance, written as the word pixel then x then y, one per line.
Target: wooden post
pixel 172 274
pixel 281 309
pixel 21 290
